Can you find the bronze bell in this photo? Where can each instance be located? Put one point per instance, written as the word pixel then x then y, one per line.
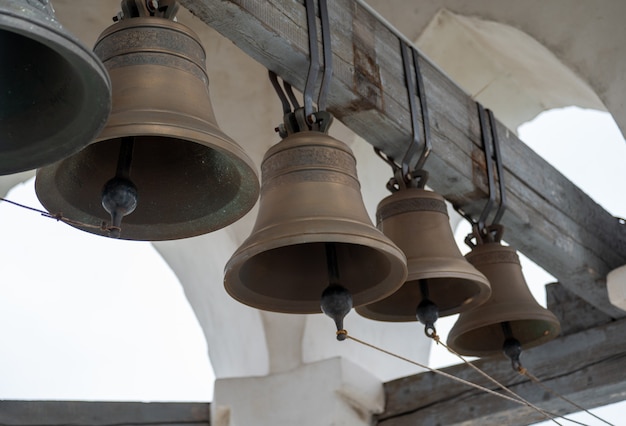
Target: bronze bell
pixel 56 94
pixel 310 199
pixel 510 312
pixel 162 144
pixel 417 221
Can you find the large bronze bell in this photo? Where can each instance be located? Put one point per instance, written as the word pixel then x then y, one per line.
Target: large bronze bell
pixel 56 94
pixel 162 143
pixel 310 198
pixel 416 220
pixel 510 312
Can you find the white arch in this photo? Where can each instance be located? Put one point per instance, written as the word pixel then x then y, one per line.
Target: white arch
pixel 503 67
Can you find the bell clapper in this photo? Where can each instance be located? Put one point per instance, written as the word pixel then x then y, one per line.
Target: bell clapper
pixel 119 195
pixel 336 301
pixel 512 348
pixel 427 311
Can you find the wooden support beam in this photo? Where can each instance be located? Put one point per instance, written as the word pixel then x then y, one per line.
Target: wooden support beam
pixel 549 219
pixel 53 413
pixel 574 313
pixel 586 367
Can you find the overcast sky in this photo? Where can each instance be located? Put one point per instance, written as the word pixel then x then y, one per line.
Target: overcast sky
pixel 85 317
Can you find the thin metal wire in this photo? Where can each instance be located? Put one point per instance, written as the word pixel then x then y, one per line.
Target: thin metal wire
pixel 314 64
pixel 517 399
pixel 491 379
pixel 58 216
pixel 524 372
pixel 433 370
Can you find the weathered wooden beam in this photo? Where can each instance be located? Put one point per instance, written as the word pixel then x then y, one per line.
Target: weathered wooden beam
pixel 550 220
pixel 585 367
pixel 574 313
pixel 52 413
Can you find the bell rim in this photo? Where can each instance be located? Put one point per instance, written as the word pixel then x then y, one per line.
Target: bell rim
pixel 240 257
pixel 247 195
pixel 92 73
pixel 552 326
pixel 428 271
pixel 130 232
pixel 409 314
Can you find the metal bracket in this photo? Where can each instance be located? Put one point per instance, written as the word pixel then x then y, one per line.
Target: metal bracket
pixel 166 9
pixel 482 232
pixel 405 174
pixel 296 118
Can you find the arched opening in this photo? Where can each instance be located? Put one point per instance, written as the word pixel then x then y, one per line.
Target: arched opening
pixel 586 146
pixel 503 67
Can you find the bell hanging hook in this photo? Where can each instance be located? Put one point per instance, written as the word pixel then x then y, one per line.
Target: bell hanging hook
pixel 314 63
pixel 285 95
pixel 298 119
pixel 481 231
pixel 406 174
pixel 166 9
pixel 316 119
pixel 411 172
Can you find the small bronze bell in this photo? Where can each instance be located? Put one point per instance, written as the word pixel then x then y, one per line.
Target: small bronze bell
pixel 417 221
pixel 56 94
pixel 510 313
pixel 161 153
pixel 311 206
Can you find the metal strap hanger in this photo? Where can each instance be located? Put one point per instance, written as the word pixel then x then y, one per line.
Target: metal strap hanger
pixel 481 231
pixel 297 118
pixel 406 174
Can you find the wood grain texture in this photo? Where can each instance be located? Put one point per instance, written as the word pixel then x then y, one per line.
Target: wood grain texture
pixel 573 312
pixel 586 367
pixel 78 413
pixel 549 219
